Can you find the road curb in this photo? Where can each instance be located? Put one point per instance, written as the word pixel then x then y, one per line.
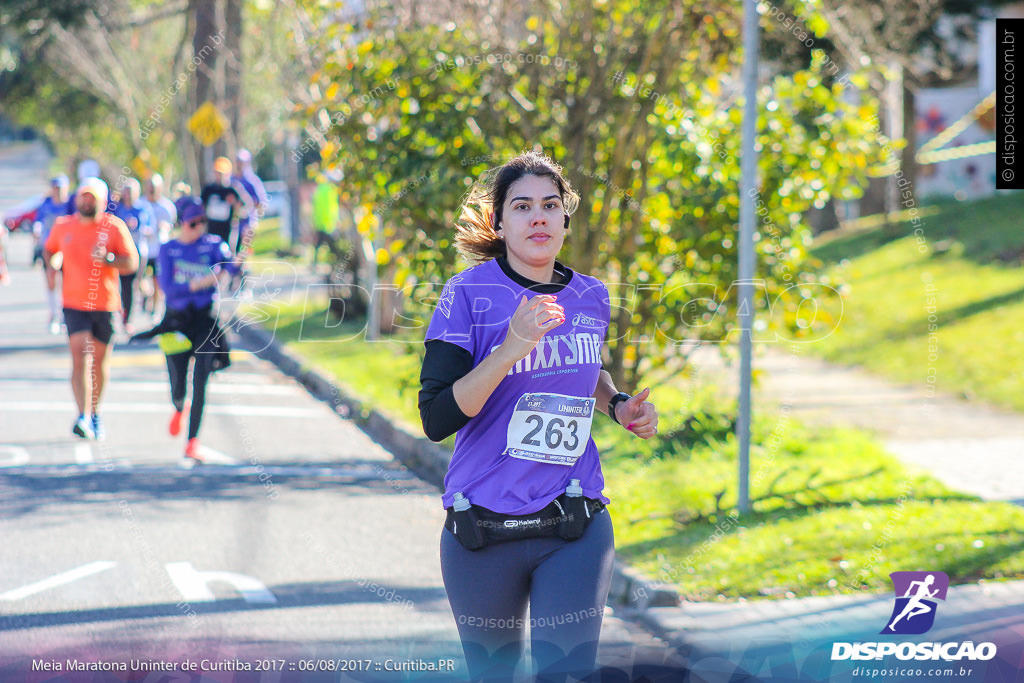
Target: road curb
pixel 629 588
pixel 428 460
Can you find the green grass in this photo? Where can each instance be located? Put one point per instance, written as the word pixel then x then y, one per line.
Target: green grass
pixel 384 374
pixel 971 255
pixel 268 241
pixel 844 513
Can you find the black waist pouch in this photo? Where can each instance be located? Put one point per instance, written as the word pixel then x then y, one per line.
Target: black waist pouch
pixel 564 517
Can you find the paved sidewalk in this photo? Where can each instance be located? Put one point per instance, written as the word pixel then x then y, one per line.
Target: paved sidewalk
pixel 969 446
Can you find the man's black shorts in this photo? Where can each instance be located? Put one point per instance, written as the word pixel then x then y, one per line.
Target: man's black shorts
pixel 99 323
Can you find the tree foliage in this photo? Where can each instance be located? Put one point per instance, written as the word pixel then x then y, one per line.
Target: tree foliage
pixel 90 74
pixel 117 80
pixel 642 107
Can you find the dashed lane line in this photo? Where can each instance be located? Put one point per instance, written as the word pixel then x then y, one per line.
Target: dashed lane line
pixel 215 457
pixel 161 408
pixel 58 580
pixel 212 470
pixel 123 386
pixel 83 453
pixel 13 456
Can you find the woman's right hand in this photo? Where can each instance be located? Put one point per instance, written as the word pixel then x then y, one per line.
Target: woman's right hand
pixel 532 319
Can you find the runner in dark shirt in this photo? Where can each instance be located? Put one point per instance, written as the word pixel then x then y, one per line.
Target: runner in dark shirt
pixel 221 201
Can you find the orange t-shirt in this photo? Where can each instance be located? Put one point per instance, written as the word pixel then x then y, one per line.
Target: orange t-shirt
pixel 90 285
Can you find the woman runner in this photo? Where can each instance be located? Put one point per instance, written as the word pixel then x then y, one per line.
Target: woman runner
pixel 189 271
pixel 513 367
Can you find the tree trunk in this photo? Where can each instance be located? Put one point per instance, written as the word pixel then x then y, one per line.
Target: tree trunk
pixel 232 61
pixel 873 200
pixel 910 134
pixel 823 219
pixel 205 12
pixel 894 103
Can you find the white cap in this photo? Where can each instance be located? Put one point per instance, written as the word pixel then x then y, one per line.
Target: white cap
pixel 96 187
pixel 132 186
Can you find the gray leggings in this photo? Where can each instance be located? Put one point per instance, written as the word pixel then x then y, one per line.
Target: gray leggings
pixel 565 584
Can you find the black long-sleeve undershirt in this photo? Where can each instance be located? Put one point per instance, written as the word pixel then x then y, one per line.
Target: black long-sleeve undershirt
pixel 444 364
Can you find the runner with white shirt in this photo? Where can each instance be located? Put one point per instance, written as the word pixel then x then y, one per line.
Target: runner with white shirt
pixel 165 215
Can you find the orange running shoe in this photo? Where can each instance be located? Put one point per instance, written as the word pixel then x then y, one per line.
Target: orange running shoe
pixel 175 427
pixel 192 450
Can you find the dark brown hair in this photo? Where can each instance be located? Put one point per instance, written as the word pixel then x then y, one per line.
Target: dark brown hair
pixel 475 235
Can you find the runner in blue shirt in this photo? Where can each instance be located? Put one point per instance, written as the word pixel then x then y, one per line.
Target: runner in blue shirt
pixel 140 224
pixel 189 272
pixel 52 208
pixel 513 368
pixel 247 179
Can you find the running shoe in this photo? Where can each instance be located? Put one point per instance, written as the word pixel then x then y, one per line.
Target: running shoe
pixel 192 451
pixel 175 427
pixel 99 433
pixel 83 428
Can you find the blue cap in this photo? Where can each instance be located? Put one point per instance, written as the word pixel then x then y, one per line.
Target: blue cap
pixel 59 181
pixel 191 209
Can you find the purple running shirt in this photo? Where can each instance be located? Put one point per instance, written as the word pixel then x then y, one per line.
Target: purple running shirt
pixel 533 434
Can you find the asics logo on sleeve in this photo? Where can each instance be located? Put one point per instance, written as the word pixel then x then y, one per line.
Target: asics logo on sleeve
pixel 582 319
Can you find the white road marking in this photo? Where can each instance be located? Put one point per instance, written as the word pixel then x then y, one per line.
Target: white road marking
pixel 83 453
pixel 194 585
pixel 215 457
pixel 236 469
pixel 58 580
pixel 122 385
pixel 247 376
pixel 16 456
pixel 162 408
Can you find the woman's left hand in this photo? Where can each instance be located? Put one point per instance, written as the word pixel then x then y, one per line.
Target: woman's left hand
pixel 638 415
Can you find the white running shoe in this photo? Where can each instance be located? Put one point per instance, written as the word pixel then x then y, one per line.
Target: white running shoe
pixel 83 428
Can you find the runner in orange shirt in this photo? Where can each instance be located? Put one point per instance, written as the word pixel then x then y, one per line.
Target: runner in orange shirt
pixel 96 248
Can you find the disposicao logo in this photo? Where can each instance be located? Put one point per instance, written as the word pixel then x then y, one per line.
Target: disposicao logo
pixel 914 611
pixel 914 614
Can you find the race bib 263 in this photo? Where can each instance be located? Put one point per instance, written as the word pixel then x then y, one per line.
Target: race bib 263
pixel 550 428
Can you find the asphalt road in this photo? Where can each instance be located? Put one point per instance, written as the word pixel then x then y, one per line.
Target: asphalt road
pixel 112 549
pixel 301 544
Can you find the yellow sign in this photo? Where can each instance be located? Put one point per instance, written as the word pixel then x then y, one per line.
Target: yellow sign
pixel 139 167
pixel 208 124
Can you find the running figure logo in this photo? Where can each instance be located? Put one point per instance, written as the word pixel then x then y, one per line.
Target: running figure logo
pixel 914 612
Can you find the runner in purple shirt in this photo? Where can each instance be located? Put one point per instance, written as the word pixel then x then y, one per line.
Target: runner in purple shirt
pixel 518 477
pixel 513 367
pixel 253 186
pixel 189 272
